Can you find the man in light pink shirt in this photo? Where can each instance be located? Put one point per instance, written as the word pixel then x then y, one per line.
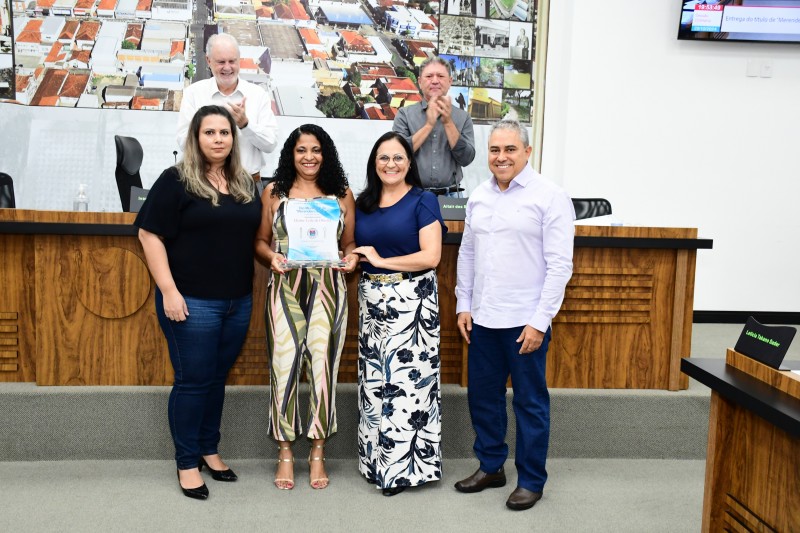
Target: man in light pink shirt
pixel 513 266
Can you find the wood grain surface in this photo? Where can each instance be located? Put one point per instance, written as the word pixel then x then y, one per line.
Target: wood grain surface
pixel 96 326
pixel 78 310
pixel 623 322
pixel 17 308
pixel 752 473
pixel 783 381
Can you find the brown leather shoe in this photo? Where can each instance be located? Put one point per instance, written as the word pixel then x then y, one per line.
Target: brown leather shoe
pixel 522 499
pixel 481 480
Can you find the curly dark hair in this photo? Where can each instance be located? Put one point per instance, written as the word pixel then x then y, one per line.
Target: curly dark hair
pixel 370 197
pixel 331 180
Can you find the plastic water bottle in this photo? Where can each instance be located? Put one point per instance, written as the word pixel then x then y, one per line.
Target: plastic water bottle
pixel 81 201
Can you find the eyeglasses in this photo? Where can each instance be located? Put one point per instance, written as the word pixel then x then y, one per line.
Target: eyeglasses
pixel 398 159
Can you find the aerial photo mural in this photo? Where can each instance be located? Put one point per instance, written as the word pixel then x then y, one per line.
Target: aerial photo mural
pixel 316 58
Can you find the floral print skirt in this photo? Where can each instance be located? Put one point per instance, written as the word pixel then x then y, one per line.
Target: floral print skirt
pixel 399 430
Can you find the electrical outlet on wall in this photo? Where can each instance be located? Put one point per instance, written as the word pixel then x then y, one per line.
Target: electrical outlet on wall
pixel 753 68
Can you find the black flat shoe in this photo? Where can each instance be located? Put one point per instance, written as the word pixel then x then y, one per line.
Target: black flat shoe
pixel 392 491
pixel 218 475
pixel 199 493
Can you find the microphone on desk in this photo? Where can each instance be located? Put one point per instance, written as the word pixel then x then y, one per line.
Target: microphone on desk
pixel 175 155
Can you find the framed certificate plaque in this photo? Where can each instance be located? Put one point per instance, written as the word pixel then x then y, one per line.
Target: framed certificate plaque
pixel 312 230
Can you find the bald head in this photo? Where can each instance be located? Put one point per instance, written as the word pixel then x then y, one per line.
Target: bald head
pixel 220 38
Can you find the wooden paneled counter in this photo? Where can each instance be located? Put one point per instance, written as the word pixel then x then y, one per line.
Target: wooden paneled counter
pixel 752 480
pixel 626 319
pixel 76 307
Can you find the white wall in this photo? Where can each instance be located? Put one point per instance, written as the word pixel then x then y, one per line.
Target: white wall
pixel 674 134
pixel 49 151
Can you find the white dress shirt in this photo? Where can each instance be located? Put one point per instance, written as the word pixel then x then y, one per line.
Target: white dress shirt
pixel 261 133
pixel 516 252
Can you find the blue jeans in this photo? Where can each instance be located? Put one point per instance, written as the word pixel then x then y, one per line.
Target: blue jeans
pixel 493 355
pixel 202 350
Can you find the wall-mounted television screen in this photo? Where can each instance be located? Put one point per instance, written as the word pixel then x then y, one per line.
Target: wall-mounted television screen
pixel 740 20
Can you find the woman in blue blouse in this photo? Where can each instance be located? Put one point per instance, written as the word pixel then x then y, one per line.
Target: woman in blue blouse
pixel 399 236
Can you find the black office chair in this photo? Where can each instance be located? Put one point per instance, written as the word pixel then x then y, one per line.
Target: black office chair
pixel 129 161
pixel 7 191
pixel 591 207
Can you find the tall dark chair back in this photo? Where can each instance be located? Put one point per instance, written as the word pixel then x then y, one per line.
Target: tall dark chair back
pixel 129 161
pixel 591 207
pixel 7 191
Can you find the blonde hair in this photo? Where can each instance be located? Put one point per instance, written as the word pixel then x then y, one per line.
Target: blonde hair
pixel 193 165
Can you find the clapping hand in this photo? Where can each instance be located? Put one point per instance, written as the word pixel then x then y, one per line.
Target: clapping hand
pixel 238 112
pixel 443 106
pixel 432 113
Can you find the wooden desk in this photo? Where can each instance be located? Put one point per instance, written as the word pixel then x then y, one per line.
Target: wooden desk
pixel 76 307
pixel 77 293
pixel 626 319
pixel 753 461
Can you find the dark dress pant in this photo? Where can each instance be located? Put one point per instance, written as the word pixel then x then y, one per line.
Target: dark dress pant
pixel 493 356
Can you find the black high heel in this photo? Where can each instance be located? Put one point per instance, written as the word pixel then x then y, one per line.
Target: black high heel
pixel 199 493
pixel 218 475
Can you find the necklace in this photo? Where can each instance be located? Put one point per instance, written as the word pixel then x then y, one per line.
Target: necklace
pixel 217 179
